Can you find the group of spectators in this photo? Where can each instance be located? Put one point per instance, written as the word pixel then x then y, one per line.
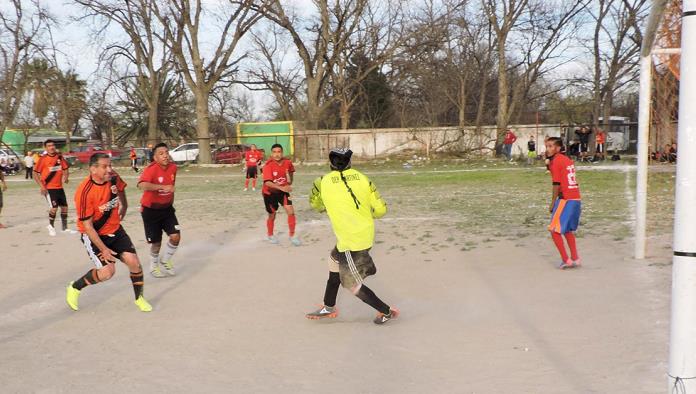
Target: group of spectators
pixel 578 148
pixel 667 155
pixel 9 166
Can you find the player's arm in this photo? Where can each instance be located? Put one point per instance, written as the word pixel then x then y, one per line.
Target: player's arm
pixel 377 203
pixel 555 192
pixel 272 185
pixel 153 187
pixel 124 204
pixel 315 200
pixel 107 254
pixel 66 175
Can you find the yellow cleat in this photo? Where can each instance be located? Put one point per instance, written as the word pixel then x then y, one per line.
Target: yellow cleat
pixel 143 304
pixel 71 296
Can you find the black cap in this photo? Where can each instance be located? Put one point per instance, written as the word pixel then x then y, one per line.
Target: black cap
pixel 340 158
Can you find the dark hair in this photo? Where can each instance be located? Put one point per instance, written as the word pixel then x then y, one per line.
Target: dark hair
pixel 94 159
pixel 277 146
pixel 48 142
pixel 160 145
pixel 556 141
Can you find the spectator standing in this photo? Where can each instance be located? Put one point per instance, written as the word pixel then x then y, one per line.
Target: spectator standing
pixel 29 165
pixel 510 139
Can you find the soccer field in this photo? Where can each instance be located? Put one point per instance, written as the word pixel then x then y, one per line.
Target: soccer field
pixel 463 252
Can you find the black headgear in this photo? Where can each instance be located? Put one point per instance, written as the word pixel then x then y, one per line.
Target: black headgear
pixel 340 158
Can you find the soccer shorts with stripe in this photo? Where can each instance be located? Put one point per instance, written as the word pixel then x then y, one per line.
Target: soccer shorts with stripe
pixel 565 217
pixel 352 266
pixel 119 242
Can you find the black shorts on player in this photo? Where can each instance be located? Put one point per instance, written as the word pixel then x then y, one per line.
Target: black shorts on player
pixel 158 220
pixel 252 172
pixel 119 242
pixel 57 198
pixel 274 200
pixel 600 148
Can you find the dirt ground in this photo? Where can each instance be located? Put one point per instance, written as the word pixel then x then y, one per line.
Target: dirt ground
pixel 481 313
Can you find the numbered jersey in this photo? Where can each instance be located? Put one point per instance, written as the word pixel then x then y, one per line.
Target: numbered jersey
pixel 563 174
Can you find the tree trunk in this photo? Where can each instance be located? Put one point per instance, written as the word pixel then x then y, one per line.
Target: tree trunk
pixel 345 115
pixel 312 116
pixel 462 102
pixel 502 115
pixel 202 127
pixel 153 118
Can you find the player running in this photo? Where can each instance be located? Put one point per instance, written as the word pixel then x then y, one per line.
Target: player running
pixel 157 209
pixel 252 158
pixel 50 173
pixel 101 204
pixel 565 203
pixel 352 203
pixel 277 185
pixel 134 159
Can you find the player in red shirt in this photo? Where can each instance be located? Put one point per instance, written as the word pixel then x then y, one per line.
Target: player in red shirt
pixel 510 139
pixel 252 158
pixel 601 140
pixel 51 172
pixel 157 209
pixel 101 205
pixel 277 185
pixel 565 202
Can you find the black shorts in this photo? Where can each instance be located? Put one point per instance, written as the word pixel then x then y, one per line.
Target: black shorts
pixel 584 146
pixel 274 200
pixel 252 172
pixel 353 266
pixel 56 198
pixel 158 220
pixel 600 148
pixel 119 242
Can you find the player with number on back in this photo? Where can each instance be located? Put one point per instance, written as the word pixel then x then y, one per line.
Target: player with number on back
pixel 565 202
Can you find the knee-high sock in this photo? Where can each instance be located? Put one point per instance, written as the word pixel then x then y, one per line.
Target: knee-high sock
pixel 332 285
pixel 51 218
pixel 570 238
pixel 138 282
pixel 154 258
pixel 169 251
pixel 558 240
pixel 368 297
pixel 90 278
pixel 64 219
pixel 292 221
pixel 246 183
pixel 253 183
pixel 270 222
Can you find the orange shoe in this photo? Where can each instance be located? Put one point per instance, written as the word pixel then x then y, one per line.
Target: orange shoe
pixel 323 312
pixel 382 318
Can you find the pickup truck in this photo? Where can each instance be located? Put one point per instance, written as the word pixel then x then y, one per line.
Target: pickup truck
pixel 83 153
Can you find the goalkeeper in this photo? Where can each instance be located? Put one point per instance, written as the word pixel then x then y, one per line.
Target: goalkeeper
pixel 352 202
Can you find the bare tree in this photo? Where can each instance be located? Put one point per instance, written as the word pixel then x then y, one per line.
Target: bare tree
pixel 183 26
pixel 143 49
pixel 23 27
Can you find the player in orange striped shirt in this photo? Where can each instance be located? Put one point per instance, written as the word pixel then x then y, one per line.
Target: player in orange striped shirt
pixel 101 205
pixel 51 172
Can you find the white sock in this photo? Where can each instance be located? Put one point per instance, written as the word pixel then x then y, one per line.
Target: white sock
pixel 169 251
pixel 154 258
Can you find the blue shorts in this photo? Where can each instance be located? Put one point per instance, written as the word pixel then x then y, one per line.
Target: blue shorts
pixel 565 217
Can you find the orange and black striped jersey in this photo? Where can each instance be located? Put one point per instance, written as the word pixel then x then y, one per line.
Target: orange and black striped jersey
pixel 50 169
pixel 100 202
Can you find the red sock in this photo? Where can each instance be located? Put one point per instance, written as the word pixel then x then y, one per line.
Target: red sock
pixel 246 183
pixel 570 237
pixel 291 224
pixel 253 182
pixel 269 225
pixel 558 240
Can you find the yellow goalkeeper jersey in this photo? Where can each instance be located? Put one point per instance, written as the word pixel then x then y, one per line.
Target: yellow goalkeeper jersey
pixel 352 203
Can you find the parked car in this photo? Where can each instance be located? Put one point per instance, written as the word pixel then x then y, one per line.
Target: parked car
pixel 7 154
pixel 231 154
pixel 83 153
pixel 186 152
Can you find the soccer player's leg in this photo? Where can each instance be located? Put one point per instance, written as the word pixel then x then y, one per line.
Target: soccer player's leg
pixel 152 224
pixel 103 271
pixel 329 310
pixel 571 221
pixel 62 202
pixel 170 225
pixel 271 202
pixel 126 252
pixel 292 219
pixel 254 177
pixel 556 229
pixel 51 197
pixel 358 266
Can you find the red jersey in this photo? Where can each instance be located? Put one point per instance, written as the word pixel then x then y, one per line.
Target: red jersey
pixel 99 201
pixel 133 155
pixel 155 174
pixel 601 138
pixel 277 172
pixel 50 169
pixel 510 138
pixel 563 174
pixel 253 157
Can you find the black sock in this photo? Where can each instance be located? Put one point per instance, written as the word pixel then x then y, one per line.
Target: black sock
pixel 52 219
pixel 372 300
pixel 137 279
pixel 331 291
pixel 90 278
pixel 64 219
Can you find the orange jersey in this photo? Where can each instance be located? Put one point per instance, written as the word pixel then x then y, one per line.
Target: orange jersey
pixel 601 138
pixel 133 155
pixel 50 169
pixel 100 203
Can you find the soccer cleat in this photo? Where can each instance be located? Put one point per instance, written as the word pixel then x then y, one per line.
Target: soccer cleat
pixel 323 313
pixel 253 189
pixel 71 296
pixel 69 231
pixel 567 265
pixel 169 268
pixel 143 304
pixel 51 230
pixel 155 271
pixel 577 263
pixel 295 241
pixel 382 318
pixel 245 189
pixel 272 239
